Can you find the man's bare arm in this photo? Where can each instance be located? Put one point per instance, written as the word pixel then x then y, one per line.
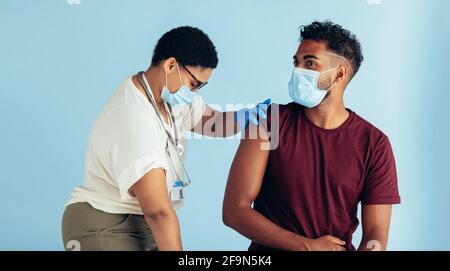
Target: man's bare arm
pixel 244 183
pixel 375 222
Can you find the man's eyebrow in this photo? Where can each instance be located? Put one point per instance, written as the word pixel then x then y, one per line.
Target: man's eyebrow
pixel 310 56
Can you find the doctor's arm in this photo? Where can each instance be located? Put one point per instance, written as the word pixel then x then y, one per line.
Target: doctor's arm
pixel 375 223
pixel 152 195
pixel 216 123
pixel 244 183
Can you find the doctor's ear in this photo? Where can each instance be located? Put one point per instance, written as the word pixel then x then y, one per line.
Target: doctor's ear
pixel 169 65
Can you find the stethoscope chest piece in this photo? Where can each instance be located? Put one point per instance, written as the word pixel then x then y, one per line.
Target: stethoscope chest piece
pixel 180 149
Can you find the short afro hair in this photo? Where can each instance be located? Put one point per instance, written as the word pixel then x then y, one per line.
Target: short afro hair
pixel 190 46
pixel 338 40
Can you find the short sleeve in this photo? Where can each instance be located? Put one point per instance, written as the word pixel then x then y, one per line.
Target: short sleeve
pixel 188 116
pixel 135 146
pixel 380 185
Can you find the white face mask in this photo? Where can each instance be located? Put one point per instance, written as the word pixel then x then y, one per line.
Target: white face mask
pixel 304 89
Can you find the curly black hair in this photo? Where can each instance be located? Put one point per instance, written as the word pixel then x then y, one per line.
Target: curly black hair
pixel 188 45
pixel 338 40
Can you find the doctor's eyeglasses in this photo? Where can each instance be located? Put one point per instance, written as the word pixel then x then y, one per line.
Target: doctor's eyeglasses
pixel 199 83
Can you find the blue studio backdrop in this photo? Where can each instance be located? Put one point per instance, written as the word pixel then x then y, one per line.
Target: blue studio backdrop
pixel 62 59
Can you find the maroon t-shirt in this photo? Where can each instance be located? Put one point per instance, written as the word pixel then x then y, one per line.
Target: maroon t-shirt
pixel 315 179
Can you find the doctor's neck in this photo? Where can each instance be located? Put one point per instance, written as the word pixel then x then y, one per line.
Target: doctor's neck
pixel 153 76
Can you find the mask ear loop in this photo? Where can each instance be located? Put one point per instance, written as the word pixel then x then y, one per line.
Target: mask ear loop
pixel 333 83
pixel 333 69
pixel 331 86
pixel 330 70
pixel 166 81
pixel 179 75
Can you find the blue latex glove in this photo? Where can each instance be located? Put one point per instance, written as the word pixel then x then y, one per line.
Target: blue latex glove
pixel 247 115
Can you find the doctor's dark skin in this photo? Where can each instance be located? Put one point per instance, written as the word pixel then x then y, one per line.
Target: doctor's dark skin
pixel 250 162
pixel 156 77
pixel 151 190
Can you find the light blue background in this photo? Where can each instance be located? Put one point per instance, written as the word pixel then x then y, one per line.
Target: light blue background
pixel 61 62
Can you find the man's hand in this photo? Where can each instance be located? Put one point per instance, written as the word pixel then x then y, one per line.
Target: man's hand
pixel 326 243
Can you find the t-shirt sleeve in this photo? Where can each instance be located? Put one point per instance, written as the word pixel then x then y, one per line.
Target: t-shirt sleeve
pixel 136 147
pixel 188 116
pixel 380 185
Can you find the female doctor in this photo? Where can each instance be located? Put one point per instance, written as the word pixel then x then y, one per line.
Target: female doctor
pixel 134 173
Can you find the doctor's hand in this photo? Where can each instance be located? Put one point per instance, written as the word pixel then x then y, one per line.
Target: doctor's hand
pixel 249 115
pixel 326 243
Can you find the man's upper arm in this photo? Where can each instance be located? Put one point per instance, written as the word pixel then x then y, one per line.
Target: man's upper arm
pixel 247 172
pixel 381 185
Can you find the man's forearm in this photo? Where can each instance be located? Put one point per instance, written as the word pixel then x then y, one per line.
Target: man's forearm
pixel 261 230
pixel 166 230
pixel 373 242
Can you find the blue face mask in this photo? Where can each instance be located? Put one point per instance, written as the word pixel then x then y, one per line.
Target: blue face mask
pixel 304 89
pixel 183 96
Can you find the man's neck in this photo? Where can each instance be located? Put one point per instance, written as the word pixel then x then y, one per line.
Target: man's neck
pixel 328 115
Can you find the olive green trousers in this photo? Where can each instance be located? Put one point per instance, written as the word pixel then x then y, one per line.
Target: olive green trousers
pixel 86 228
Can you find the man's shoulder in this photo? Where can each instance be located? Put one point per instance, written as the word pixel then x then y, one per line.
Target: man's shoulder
pixel 283 109
pixel 279 113
pixel 367 129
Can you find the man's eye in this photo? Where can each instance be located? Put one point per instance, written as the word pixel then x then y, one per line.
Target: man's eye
pixel 310 63
pixel 295 62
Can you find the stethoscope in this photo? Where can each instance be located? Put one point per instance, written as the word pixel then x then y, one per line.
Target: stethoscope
pixel 175 141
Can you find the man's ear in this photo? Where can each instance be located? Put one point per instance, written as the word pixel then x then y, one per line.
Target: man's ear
pixel 169 65
pixel 342 73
